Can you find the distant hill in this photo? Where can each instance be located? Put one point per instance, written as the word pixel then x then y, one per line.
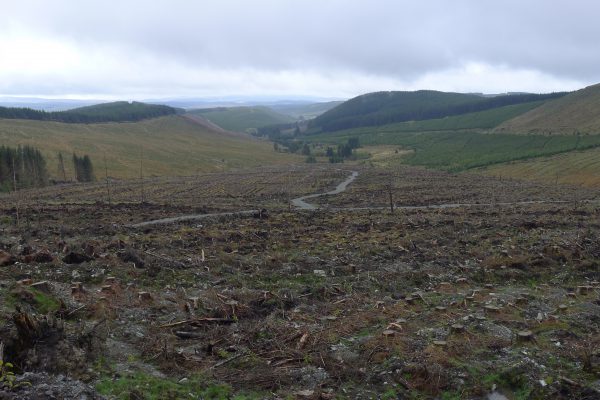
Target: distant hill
pixel 119 111
pixel 240 119
pixel 305 110
pixel 578 111
pixel 382 108
pixel 172 145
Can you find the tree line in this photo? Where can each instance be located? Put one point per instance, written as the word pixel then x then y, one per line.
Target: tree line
pixel 25 167
pixel 120 111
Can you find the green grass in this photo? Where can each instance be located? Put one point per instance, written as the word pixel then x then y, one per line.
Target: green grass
pixel 458 150
pixel 149 387
pixel 45 303
pixel 42 302
pixel 171 145
pixel 575 167
pixel 576 112
pixel 239 119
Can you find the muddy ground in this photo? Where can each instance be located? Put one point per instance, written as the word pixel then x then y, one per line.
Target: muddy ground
pixel 424 303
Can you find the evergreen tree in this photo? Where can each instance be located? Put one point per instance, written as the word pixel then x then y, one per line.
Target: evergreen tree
pixel 24 166
pixel 84 171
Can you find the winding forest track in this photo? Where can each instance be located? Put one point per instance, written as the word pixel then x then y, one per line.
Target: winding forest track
pixel 301 204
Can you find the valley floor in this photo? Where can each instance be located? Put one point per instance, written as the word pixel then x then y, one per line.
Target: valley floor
pixel 338 302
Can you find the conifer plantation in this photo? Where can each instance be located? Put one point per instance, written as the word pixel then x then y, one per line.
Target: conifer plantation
pixel 23 167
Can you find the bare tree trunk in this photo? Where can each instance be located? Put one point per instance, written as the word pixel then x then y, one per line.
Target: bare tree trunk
pixel 15 187
pixel 107 183
pixel 142 171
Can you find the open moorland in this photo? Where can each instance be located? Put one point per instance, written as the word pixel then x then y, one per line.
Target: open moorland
pixel 493 292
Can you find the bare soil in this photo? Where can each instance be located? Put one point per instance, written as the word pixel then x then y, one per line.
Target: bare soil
pixel 326 303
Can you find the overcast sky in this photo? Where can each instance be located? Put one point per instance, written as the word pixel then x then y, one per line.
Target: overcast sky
pixel 132 49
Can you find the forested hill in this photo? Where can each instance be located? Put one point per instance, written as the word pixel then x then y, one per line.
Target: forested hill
pixel 119 111
pixel 381 108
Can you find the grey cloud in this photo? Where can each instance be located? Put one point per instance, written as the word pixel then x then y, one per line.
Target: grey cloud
pixel 398 40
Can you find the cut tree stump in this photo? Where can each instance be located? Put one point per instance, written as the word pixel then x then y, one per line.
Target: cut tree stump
pixel 524 336
pixel 145 297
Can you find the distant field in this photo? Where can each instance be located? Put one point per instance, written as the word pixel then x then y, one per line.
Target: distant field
pixel 576 167
pixel 306 111
pixel 460 142
pixel 239 119
pixel 171 145
pixel 462 150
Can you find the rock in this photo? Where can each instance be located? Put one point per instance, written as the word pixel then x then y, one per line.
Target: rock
pixel 440 343
pixel 6 258
pixel 40 385
pixel 319 272
pixel 75 258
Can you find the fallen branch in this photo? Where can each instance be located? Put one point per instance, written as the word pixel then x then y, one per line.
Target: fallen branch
pixel 198 320
pixel 187 335
pixel 75 310
pixel 230 359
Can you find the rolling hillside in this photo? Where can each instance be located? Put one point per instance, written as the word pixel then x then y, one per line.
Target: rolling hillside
pixel 574 167
pixel 119 111
pixel 382 108
pixel 240 119
pixel 172 145
pixel 579 111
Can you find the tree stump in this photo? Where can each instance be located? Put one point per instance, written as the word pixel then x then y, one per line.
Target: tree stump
pixel 524 336
pixel 145 297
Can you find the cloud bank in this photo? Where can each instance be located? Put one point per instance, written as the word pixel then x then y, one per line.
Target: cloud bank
pixel 327 48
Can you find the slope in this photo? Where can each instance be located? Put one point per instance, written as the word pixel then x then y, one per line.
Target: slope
pixel 381 108
pixel 579 111
pixel 574 167
pixel 171 145
pixel 240 119
pixel 119 111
